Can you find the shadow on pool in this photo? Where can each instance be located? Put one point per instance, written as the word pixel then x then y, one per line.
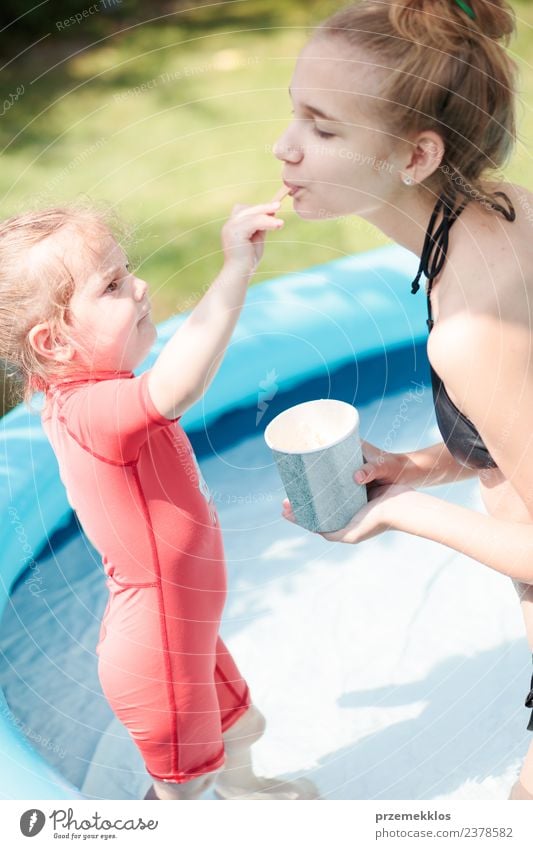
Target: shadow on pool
pixel 461 734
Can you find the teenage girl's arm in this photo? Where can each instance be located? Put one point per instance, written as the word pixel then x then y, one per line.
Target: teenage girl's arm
pixel 502 411
pixel 426 467
pixel 191 358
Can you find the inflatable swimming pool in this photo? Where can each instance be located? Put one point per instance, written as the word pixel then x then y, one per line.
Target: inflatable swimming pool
pixel 296 335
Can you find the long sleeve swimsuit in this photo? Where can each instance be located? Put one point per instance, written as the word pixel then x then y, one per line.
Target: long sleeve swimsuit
pixel 133 480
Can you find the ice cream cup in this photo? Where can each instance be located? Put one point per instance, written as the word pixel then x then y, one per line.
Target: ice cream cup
pixel 317 449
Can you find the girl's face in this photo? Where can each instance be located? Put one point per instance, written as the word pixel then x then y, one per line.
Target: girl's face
pixel 336 160
pixel 109 312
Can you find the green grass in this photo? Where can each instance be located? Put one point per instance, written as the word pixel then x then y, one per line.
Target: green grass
pixel 171 122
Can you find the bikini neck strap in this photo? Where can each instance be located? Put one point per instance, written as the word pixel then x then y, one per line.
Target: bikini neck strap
pixel 435 247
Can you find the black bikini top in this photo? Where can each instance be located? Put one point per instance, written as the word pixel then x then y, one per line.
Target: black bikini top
pixel 458 432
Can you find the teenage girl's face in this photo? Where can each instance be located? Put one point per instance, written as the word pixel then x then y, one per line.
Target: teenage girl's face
pixel 336 159
pixel 109 311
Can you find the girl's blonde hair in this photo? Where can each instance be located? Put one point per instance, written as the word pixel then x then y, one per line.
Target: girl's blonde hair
pixel 38 286
pixel 438 69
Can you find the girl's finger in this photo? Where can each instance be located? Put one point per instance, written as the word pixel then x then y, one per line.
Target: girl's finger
pixel 262 222
pixel 270 207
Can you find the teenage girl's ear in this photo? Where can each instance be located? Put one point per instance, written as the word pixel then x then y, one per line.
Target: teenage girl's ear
pixel 425 155
pixel 41 340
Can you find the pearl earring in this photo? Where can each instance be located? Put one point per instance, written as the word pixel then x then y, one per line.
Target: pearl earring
pixel 407 180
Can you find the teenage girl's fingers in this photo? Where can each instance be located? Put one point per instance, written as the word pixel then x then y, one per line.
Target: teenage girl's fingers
pixel 368 471
pixel 287 511
pixel 365 473
pixel 370 452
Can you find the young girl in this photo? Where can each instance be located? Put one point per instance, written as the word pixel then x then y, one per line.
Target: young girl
pixel 75 322
pixel 400 109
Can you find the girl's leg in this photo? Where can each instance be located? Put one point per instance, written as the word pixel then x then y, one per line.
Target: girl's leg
pixel 237 780
pixel 242 725
pixel 185 791
pixel 156 669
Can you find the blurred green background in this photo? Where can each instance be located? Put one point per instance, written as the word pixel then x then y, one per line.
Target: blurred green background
pixel 168 111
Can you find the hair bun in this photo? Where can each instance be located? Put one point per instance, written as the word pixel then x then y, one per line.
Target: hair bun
pixel 495 18
pixel 430 20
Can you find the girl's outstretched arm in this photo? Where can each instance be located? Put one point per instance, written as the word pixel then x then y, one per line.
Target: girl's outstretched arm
pixel 191 358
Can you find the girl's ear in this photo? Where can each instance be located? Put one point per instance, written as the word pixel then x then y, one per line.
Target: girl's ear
pixel 41 340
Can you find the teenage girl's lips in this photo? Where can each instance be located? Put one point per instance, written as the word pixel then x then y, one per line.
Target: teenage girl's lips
pixel 293 188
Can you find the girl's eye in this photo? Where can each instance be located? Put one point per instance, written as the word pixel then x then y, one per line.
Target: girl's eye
pixel 113 286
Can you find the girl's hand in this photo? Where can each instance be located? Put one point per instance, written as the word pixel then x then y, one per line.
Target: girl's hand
pixel 372 519
pixel 243 234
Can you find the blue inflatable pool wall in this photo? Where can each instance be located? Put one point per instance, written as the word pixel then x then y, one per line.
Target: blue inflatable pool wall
pixel 295 329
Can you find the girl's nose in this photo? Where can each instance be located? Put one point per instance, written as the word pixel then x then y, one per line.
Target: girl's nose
pixel 140 287
pixel 287 151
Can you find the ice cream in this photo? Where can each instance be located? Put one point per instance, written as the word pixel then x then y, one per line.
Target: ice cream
pixel 311 426
pixel 304 436
pixel 281 193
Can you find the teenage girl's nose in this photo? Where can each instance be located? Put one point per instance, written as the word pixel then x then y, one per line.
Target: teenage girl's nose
pixel 286 150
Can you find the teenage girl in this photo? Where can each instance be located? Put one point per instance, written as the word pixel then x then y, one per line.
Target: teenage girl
pixel 75 321
pixel 401 110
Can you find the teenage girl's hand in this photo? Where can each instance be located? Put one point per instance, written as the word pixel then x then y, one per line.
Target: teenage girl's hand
pixel 380 467
pixel 385 503
pixel 243 234
pixel 382 475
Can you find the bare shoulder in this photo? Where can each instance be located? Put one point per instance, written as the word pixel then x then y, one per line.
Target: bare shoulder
pixel 490 267
pixel 471 347
pixel 485 294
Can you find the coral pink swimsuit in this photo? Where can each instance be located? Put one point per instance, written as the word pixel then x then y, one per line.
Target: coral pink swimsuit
pixel 132 478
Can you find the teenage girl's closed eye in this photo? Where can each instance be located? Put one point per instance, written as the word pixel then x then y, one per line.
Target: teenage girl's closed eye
pixel 322 133
pixel 315 129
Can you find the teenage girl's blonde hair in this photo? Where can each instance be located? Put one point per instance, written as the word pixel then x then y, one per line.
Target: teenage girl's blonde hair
pixel 438 69
pixel 37 286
